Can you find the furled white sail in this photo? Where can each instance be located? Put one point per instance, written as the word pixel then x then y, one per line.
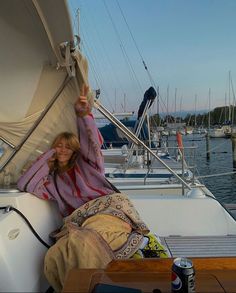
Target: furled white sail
pixel 36 46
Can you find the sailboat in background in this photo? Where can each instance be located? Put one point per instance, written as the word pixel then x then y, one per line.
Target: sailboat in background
pixel 225 130
pixel 217 131
pixel 129 165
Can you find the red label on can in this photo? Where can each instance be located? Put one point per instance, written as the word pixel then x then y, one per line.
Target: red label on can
pixel 176 282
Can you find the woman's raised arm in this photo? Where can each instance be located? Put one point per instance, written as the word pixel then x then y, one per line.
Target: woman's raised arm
pixel 89 136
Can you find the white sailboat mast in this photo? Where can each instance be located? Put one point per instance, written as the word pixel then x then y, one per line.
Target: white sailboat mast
pixel 225 107
pixel 209 116
pixel 167 104
pixel 175 104
pixel 195 109
pixel 229 97
pixel 124 102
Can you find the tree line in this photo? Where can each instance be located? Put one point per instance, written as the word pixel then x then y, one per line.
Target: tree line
pixel 218 116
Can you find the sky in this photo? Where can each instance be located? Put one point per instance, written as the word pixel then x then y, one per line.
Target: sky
pixel 188 47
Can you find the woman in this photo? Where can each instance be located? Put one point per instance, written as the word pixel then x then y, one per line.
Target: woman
pixel 101 224
pixel 71 172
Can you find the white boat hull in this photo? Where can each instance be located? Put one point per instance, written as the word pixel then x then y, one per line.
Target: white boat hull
pixel 217 133
pixel 21 253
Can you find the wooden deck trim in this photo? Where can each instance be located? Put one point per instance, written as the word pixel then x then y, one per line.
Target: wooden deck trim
pixel 84 280
pixel 164 264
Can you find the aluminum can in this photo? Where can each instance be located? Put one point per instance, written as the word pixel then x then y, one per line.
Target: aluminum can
pixel 183 276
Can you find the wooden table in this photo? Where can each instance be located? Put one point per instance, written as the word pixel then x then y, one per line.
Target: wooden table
pixel 148 275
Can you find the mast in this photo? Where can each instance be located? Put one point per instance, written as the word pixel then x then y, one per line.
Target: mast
pixel 180 104
pixel 209 124
pixel 175 104
pixel 233 101
pixel 167 104
pixel 115 101
pixel 124 102
pixel 225 107
pixel 195 109
pixel 180 108
pixel 209 116
pixel 158 105
pixel 229 98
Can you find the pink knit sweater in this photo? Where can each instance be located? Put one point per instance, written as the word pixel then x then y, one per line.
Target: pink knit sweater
pixel 84 182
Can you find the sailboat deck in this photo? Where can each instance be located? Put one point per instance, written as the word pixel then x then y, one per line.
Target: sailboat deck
pixel 201 246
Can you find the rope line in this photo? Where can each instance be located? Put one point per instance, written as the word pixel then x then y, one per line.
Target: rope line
pixel 131 68
pixel 214 175
pixel 135 44
pixel 121 43
pixel 97 63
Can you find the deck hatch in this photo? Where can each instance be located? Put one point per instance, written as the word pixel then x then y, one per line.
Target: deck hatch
pixel 201 246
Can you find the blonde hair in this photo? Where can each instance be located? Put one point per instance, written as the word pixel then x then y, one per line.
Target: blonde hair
pixel 74 145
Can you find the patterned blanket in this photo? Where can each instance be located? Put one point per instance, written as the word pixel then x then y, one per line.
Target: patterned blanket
pixel 106 228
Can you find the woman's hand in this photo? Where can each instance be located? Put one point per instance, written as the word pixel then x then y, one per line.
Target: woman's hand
pixel 51 161
pixel 82 101
pixel 53 158
pixel 82 106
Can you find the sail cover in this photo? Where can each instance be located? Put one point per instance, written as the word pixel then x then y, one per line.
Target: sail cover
pixel 33 72
pixel 149 95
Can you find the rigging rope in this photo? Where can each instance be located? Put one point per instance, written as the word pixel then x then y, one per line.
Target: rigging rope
pixel 131 68
pixel 210 150
pixel 216 147
pixel 135 43
pixel 121 43
pixel 96 62
pixel 159 98
pixel 215 175
pixel 141 57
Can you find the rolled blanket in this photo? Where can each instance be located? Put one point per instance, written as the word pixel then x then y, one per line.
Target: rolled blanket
pixel 106 228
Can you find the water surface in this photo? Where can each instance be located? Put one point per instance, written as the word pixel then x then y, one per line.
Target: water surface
pixel 221 161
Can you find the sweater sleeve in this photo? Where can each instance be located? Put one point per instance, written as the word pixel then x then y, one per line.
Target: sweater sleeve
pixel 35 179
pixel 90 141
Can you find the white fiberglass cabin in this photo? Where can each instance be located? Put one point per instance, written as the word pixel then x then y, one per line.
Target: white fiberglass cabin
pixel 40 72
